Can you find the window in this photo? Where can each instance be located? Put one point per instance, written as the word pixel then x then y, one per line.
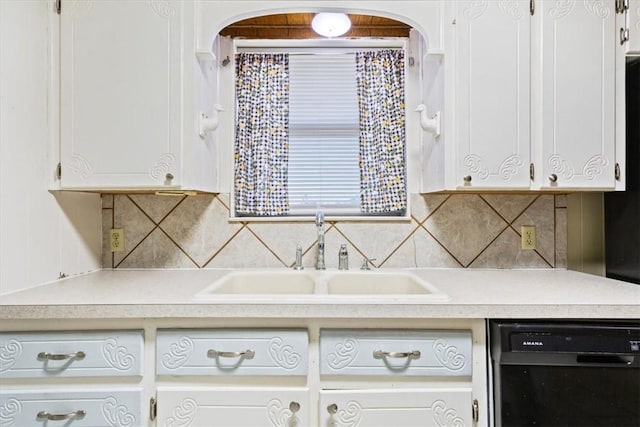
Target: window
pixel 323 134
pixel 325 137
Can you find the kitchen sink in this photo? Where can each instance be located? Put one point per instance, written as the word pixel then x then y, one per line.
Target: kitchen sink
pixel 378 283
pixel 260 283
pixel 320 286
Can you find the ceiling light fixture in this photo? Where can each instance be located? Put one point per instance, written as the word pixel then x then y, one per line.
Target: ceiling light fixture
pixel 331 24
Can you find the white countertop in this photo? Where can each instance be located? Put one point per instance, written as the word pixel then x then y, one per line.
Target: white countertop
pixel 474 293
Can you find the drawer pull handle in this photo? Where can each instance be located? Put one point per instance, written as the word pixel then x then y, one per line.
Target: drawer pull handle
pixel 379 354
pixel 78 355
pixel 44 415
pixel 332 409
pixel 247 354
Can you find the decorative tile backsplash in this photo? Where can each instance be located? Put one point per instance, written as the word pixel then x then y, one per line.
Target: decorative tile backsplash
pixel 446 230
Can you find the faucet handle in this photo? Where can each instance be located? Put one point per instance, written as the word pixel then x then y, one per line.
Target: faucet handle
pixel 366 262
pixel 298 264
pixel 343 258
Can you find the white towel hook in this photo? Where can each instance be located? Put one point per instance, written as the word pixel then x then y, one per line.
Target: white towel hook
pixel 429 124
pixel 208 124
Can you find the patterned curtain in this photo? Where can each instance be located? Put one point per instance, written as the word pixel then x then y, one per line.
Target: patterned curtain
pixel 380 81
pixel 262 134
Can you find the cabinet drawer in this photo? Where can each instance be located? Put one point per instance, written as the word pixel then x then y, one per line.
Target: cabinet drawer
pixel 230 406
pixel 395 352
pixel 80 408
pixel 232 352
pixel 70 354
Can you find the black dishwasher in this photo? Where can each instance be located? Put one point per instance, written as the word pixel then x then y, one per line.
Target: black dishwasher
pixel 567 374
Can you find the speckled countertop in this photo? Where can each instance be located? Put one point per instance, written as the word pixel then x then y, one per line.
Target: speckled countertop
pixel 136 294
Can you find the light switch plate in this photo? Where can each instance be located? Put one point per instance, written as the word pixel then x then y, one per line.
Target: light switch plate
pixel 528 233
pixel 116 239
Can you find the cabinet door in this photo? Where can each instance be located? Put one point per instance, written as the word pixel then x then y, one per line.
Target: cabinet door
pixel 492 84
pixel 633 25
pixel 575 66
pixel 233 407
pixel 120 93
pixel 417 407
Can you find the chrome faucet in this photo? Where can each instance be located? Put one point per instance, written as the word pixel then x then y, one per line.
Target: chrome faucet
pixel 320 230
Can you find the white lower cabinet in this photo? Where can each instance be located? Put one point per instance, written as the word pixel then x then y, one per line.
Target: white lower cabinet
pixel 289 407
pixel 72 378
pixel 261 358
pixel 78 408
pixel 233 406
pixel 321 377
pixel 71 354
pixel 232 352
pixel 315 375
pixel 391 359
pixel 383 408
pixel 395 352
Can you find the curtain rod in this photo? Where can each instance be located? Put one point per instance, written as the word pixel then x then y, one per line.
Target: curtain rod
pixel 329 43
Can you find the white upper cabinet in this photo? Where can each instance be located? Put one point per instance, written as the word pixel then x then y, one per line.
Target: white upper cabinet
pixel 574 94
pixel 630 32
pixel 535 92
pixel 529 100
pixel 492 93
pixel 126 120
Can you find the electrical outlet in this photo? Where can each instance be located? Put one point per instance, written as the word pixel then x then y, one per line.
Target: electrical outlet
pixel 528 233
pixel 116 239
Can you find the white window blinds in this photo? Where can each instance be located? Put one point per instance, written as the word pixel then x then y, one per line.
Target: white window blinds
pixel 324 168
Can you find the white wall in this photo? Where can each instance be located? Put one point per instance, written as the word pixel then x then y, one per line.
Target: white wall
pixel 42 234
pixel 585 233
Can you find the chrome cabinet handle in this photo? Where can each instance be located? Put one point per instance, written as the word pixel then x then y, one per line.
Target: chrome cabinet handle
pixel 78 355
pixel 44 415
pixel 553 177
pixel 247 354
pixel 332 409
pixel 379 354
pixel 294 407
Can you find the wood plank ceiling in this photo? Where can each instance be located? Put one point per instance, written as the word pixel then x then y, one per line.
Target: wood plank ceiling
pixel 298 26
